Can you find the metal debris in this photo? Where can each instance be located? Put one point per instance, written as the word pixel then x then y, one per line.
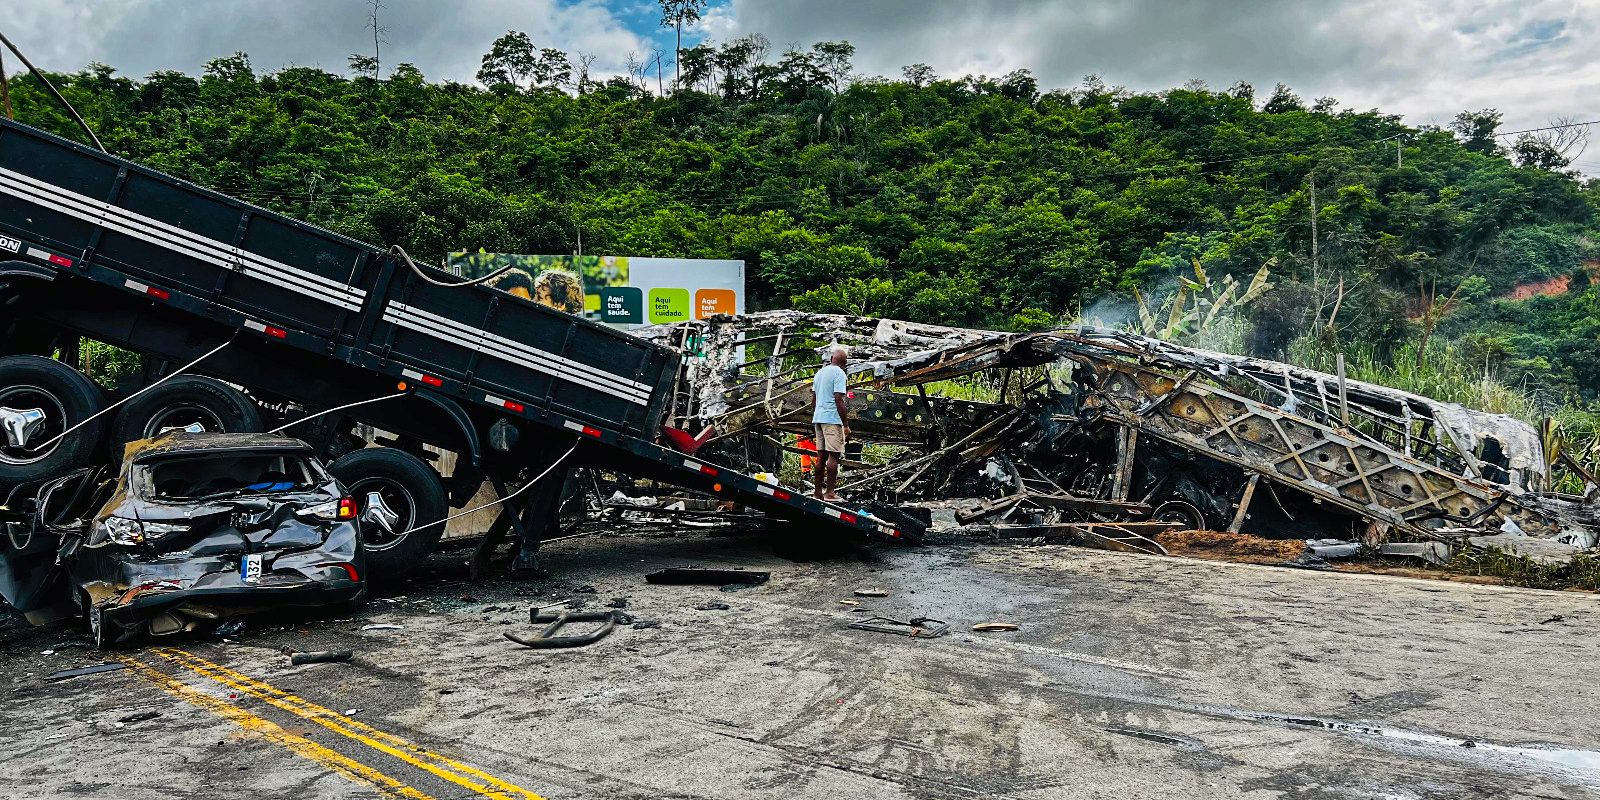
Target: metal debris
pixel 916 627
pixel 707 577
pixel 111 666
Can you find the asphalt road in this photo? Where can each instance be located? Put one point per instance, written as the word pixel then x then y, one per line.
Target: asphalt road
pixel 1129 677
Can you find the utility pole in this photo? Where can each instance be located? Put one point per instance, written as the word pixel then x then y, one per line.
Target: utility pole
pixel 1399 151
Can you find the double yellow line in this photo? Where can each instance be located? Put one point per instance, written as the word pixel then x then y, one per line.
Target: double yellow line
pixel 444 767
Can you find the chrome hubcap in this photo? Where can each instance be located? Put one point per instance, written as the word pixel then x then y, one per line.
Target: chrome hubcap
pixel 379 513
pixel 21 425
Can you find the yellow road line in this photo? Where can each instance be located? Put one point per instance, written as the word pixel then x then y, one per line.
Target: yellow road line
pixel 463 775
pixel 301 746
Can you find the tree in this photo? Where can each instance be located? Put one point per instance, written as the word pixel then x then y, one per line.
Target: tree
pixel 675 14
pixel 510 60
pixel 373 7
pixel 1282 100
pixel 1554 148
pixel 1476 130
pixel 918 75
pixel 552 69
pixel 834 59
pixel 364 66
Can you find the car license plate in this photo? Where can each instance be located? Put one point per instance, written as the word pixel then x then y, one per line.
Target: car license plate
pixel 250 568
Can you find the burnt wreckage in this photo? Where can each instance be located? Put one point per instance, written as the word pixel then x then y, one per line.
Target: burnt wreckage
pixel 1114 435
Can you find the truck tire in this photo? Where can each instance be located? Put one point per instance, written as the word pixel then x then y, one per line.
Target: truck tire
pixel 63 397
pixel 411 494
pixel 187 400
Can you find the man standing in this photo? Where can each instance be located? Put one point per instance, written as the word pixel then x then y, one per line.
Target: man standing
pixel 829 420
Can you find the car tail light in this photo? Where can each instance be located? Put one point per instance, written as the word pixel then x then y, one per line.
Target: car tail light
pixel 347 508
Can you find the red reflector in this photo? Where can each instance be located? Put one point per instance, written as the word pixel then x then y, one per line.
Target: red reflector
pixel 432 381
pixel 159 294
pixel 708 469
pixel 60 261
pixel 276 333
pixel 349 569
pixel 849 518
pixel 780 495
pixel 347 508
pixel 893 534
pixel 517 407
pixel 588 431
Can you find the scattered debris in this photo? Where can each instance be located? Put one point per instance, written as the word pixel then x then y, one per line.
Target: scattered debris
pixel 586 589
pixel 872 592
pixel 1236 547
pixel 138 716
pixel 992 627
pixel 712 606
pixel 850 602
pixel 547 639
pixel 707 577
pixel 644 624
pixel 110 666
pixel 916 627
pixel 1554 618
pixel 618 602
pixel 297 658
pixel 230 628
pixel 389 626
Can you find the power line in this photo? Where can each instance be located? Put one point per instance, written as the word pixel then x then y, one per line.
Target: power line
pixel 1551 128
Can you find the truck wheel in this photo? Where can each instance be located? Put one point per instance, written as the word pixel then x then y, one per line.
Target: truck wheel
pixel 39 399
pixel 395 492
pixel 187 402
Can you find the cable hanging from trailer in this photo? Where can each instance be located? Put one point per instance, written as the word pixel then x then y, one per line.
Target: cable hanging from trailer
pixel 50 87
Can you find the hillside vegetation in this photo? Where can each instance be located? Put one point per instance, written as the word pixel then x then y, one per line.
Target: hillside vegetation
pixel 981 201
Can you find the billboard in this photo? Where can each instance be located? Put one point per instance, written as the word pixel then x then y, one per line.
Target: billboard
pixel 624 291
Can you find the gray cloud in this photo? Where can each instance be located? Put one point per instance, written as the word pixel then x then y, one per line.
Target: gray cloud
pixel 1424 59
pixel 444 40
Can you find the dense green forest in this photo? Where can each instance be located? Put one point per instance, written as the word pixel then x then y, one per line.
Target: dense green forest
pixel 977 201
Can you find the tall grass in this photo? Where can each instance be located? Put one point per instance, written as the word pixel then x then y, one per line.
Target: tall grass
pixel 1442 373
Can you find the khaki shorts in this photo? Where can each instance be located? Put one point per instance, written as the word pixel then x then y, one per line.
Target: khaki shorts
pixel 830 438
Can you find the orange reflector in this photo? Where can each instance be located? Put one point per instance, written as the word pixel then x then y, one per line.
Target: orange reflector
pixel 716 487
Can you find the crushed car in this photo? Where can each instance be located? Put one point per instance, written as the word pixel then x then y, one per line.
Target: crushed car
pixel 194 529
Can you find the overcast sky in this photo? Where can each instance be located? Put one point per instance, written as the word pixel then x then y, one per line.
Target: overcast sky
pixel 1423 59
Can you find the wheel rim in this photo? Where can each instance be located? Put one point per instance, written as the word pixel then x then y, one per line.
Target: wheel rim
pixel 388 512
pixel 1180 512
pixel 38 416
pixel 191 417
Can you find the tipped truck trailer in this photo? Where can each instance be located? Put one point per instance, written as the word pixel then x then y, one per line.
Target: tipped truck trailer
pixel 305 320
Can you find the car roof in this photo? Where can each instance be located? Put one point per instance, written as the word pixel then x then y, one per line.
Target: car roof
pixel 185 443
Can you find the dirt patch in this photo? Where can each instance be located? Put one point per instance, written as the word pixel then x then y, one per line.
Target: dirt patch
pixel 1237 547
pixel 1560 284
